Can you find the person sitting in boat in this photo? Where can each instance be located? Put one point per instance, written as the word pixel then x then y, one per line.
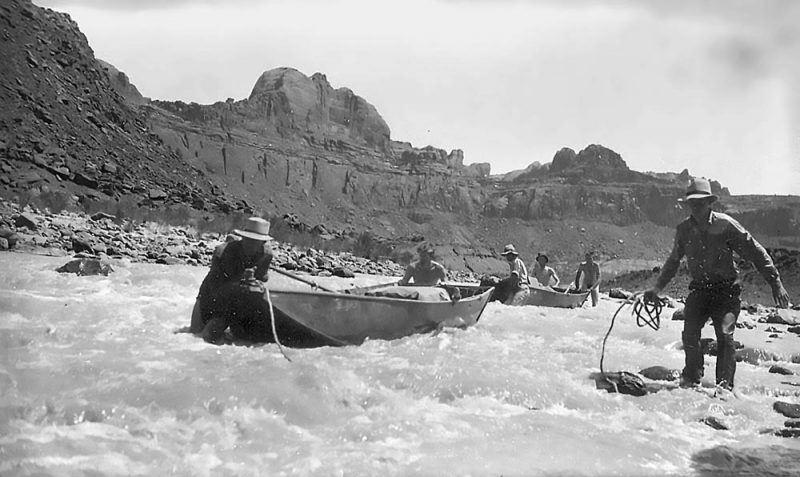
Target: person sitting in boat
pixel 231 294
pixel 545 275
pixel 518 279
pixel 588 277
pixel 424 272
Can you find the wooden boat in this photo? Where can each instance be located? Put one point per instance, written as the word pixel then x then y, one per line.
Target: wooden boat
pixel 313 318
pixel 556 297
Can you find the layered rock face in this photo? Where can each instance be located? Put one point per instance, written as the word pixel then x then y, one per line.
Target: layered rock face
pixel 63 127
pixel 287 104
pixel 298 146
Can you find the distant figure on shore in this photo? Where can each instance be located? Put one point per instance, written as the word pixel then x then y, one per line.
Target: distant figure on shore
pixel 708 240
pixel 518 279
pixel 544 274
pixel 424 272
pixel 231 294
pixel 588 277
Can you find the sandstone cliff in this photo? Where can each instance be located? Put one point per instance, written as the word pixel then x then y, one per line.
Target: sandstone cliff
pixel 321 156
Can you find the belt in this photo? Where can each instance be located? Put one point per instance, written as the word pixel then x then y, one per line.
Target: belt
pixel 715 286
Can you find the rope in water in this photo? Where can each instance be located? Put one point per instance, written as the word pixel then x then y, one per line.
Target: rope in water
pixel 274 330
pixel 648 313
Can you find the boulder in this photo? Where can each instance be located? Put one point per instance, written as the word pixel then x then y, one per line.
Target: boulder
pixel 775 369
pixel 619 293
pixel 86 267
pixel 10 236
pixel 660 373
pixel 26 219
pixel 790 410
pixel 343 272
pixel 3 244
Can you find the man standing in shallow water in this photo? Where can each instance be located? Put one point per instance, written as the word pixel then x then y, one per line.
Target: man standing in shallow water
pixel 588 277
pixel 518 279
pixel 708 240
pixel 424 272
pixel 232 292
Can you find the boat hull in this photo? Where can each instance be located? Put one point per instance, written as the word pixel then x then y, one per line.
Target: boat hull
pixel 556 298
pixel 341 319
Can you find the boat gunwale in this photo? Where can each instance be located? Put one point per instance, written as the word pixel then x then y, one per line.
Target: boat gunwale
pixel 344 294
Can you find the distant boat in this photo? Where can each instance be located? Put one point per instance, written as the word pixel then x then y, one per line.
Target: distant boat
pixel 556 297
pixel 317 318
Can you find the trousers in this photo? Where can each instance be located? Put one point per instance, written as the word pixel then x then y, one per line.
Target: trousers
pixel 722 305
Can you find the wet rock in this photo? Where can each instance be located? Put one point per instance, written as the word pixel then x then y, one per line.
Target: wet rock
pixel 793 423
pixel 787 409
pixel 619 293
pixel 775 369
pixel 784 316
pixel 715 423
pixel 660 373
pixel 86 267
pixel 795 433
pixel 621 382
pixel 678 315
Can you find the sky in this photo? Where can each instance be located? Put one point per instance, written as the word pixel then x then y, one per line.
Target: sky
pixel 712 86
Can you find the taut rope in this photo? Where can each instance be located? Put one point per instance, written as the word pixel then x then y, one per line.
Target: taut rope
pixel 274 330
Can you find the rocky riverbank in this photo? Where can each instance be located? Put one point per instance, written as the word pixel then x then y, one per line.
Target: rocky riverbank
pixel 105 237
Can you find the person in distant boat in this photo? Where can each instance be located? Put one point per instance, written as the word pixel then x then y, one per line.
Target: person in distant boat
pixel 588 277
pixel 231 294
pixel 544 274
pixel 424 272
pixel 708 240
pixel 518 279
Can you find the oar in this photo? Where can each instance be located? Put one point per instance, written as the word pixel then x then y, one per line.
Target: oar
pixel 371 287
pixel 300 279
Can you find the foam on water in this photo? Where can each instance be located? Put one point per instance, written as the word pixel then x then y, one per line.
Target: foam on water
pixel 93 379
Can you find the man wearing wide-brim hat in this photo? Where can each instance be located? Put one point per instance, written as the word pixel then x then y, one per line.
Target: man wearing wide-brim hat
pixel 708 240
pixel 518 278
pixel 231 293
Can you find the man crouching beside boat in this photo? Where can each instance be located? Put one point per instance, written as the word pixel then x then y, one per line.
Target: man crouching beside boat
pixel 232 293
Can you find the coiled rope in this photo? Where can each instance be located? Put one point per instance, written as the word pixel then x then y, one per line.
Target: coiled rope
pixel 648 313
pixel 274 330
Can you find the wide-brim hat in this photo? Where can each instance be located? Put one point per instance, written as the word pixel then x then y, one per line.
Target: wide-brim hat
pixel 540 254
pixel 509 250
pixel 256 228
pixel 699 188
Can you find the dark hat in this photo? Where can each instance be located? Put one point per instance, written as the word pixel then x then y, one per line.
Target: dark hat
pixel 540 254
pixel 256 228
pixel 425 247
pixel 699 188
pixel 509 249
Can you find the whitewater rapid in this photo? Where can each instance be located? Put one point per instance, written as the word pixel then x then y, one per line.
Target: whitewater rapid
pixel 94 380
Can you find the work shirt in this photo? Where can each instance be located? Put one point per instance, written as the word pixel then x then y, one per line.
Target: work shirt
pixel 229 263
pixel 709 248
pixel 543 274
pixel 518 267
pixel 422 275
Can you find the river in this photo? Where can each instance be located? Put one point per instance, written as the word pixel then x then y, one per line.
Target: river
pixel 95 381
